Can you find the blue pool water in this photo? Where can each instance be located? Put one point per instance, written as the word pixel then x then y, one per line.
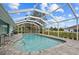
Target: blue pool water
pixel 33 42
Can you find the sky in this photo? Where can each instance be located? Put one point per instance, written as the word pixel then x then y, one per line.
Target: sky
pixel 63 13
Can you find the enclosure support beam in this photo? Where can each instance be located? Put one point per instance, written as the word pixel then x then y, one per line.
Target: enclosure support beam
pixel 18 29
pixel 38 30
pixel 48 31
pixel 74 13
pixel 21 29
pixel 42 30
pixel 58 28
pixel 31 28
pixel 24 28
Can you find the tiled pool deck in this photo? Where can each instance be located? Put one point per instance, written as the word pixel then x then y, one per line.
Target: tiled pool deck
pixel 70 47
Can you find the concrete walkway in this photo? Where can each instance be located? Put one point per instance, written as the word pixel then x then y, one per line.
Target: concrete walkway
pixel 70 47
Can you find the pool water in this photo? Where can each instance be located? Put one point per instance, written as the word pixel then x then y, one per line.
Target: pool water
pixel 33 42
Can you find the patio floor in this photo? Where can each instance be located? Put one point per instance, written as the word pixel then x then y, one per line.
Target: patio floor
pixel 70 47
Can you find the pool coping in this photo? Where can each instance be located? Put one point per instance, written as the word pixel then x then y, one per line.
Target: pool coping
pixel 53 37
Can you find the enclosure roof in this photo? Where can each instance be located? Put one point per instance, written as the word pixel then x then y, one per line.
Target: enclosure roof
pixel 25 21
pixel 48 12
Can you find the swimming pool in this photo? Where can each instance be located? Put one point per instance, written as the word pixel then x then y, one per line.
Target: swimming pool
pixel 34 42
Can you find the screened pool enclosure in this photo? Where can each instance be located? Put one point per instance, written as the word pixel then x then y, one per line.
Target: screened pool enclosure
pixel 55 19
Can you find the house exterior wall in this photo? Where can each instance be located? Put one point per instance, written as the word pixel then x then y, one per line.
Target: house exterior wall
pixel 6 23
pixel 3 27
pixel 71 29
